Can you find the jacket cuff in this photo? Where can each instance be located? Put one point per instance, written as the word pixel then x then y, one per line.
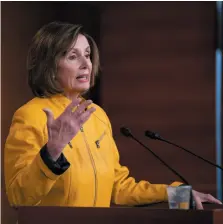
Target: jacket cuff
pixel 57 167
pixel 176 184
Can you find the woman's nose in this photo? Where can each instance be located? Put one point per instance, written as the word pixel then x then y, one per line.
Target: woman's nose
pixel 84 63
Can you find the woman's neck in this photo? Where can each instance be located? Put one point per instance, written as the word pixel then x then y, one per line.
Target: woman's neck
pixel 71 95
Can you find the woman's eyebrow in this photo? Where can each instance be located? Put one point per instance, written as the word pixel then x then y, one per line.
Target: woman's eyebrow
pixel 73 49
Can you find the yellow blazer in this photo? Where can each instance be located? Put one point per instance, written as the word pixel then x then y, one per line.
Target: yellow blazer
pixel 95 176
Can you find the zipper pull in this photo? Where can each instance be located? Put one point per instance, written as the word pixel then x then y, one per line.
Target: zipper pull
pixel 81 129
pixel 97 144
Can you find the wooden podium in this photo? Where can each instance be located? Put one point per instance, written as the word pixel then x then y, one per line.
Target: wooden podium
pixel 155 214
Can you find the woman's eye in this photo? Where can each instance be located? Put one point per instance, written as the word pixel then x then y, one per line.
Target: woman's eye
pixel 72 57
pixel 87 55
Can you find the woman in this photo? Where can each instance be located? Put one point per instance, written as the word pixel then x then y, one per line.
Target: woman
pixel 60 150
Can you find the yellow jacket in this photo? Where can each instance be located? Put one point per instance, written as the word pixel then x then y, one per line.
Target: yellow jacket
pixel 94 178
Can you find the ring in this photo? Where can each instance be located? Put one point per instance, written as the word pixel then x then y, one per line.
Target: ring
pixel 74 108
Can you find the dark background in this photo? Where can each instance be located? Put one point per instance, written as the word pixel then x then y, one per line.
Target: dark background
pixel 157 73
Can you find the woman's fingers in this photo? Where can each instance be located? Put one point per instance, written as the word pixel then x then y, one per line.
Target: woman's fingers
pixel 198 202
pixel 66 126
pixel 72 105
pixel 49 116
pixel 76 107
pixel 86 115
pixel 201 197
pixel 211 199
pixel 82 107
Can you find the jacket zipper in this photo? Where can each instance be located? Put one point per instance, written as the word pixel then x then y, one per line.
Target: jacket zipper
pixel 93 165
pixel 97 142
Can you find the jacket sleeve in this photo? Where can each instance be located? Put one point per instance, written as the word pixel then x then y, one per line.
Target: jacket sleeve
pixel 28 179
pixel 126 191
pixel 58 167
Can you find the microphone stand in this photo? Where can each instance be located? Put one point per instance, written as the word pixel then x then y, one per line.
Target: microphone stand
pixel 127 133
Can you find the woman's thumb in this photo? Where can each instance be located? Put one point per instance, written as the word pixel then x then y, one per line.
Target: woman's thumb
pixel 49 115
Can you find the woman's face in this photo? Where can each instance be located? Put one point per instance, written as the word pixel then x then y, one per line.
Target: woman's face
pixel 74 69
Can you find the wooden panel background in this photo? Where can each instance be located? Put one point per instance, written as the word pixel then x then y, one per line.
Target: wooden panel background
pixel 157 73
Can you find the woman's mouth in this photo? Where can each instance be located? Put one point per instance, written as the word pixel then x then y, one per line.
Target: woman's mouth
pixel 82 78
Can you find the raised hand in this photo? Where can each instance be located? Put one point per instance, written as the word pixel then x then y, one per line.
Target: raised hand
pixel 62 130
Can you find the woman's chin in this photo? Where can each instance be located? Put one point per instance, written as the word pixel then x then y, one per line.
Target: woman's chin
pixel 83 88
pixel 80 89
pixel 77 89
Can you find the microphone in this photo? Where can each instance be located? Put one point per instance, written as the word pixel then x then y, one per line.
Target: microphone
pixel 156 136
pixel 127 132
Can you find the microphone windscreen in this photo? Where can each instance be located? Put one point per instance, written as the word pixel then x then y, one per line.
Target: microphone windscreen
pixel 151 134
pixel 125 131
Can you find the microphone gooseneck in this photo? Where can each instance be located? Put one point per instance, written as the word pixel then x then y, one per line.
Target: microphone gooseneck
pixel 156 136
pixel 127 132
